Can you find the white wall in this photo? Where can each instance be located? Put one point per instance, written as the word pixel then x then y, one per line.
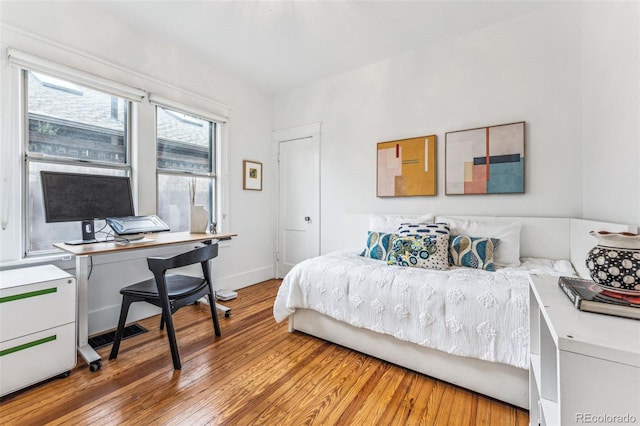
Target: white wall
pixel 611 111
pixel 525 69
pixel 569 72
pixel 117 52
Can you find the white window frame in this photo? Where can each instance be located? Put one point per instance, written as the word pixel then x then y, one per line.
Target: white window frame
pixel 13 217
pixel 220 174
pixel 32 157
pixel 12 246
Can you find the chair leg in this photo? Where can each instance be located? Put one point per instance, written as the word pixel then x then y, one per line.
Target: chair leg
pixel 214 314
pixel 124 310
pixel 162 321
pixel 173 344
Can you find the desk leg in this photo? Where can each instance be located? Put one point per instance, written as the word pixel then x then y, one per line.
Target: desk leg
pixel 84 349
pixel 225 309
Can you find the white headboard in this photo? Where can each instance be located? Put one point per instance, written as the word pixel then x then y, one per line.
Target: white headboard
pixel 546 237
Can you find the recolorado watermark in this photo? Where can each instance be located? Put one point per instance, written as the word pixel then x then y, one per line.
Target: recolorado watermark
pixel 607 419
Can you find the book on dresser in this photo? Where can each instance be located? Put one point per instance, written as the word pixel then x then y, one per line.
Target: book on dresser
pixel 588 296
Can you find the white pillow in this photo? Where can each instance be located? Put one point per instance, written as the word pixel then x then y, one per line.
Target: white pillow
pixel 390 223
pixel 508 251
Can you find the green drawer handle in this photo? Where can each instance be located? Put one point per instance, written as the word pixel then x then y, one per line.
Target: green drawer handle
pixel 26 295
pixel 27 345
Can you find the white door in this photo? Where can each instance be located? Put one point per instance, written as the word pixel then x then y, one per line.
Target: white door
pixel 298 196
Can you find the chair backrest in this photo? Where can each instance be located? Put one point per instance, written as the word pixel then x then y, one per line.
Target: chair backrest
pixel 158 265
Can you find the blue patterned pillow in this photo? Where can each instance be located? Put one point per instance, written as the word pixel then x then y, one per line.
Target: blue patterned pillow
pixel 420 251
pixel 378 244
pixel 473 252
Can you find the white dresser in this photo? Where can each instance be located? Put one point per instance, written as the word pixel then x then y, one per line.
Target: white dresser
pixel 585 367
pixel 37 325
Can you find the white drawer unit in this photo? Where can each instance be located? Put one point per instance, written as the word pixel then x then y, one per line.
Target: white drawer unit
pixel 37 325
pixel 585 367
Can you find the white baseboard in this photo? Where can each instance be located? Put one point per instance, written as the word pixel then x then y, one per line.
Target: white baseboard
pixel 106 318
pixel 244 279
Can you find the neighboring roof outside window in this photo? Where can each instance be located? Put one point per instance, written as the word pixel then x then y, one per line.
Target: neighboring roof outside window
pixel 88 107
pixel 78 122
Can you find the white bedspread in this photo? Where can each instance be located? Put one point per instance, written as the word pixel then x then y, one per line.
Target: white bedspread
pixel 462 311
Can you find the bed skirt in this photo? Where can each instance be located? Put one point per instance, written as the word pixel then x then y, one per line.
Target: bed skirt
pixel 500 381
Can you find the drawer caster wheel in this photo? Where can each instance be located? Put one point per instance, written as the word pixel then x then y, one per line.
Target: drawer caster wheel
pixel 227 314
pixel 95 366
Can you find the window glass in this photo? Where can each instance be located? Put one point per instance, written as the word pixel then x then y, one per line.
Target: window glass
pixel 74 129
pixel 74 122
pixel 174 199
pixel 184 142
pixel 186 147
pixel 42 234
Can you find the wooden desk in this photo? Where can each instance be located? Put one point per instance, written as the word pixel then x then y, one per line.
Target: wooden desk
pixel 82 253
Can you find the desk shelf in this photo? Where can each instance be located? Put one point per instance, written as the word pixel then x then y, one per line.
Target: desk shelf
pixel 581 364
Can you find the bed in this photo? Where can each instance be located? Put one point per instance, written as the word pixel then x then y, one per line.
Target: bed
pixel 466 326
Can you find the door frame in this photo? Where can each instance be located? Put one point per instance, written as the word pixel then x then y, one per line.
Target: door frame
pixel 311 131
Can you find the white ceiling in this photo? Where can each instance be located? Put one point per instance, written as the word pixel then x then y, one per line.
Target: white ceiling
pixel 278 45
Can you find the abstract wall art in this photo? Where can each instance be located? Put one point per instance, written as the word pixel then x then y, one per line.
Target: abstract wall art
pixel 407 167
pixel 486 160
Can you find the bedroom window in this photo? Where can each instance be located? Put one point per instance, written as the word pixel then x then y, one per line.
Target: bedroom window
pixel 187 147
pixel 72 128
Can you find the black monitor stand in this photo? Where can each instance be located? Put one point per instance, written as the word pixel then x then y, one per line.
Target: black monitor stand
pixel 88 234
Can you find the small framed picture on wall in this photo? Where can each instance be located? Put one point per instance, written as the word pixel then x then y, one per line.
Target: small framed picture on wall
pixel 252 178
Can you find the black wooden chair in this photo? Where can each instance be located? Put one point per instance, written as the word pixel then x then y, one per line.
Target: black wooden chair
pixel 171 292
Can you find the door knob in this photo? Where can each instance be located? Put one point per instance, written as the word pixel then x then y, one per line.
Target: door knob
pixel 307 219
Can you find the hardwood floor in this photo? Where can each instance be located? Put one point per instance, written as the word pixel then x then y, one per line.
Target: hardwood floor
pixel 256 373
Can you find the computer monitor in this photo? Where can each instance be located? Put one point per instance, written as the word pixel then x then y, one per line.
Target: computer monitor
pixel 71 197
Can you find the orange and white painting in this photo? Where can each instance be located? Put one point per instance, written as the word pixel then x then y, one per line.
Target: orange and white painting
pixel 407 167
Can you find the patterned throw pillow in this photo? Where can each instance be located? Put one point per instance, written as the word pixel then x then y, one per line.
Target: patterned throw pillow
pixel 473 252
pixel 507 232
pixel 412 229
pixel 378 244
pixel 429 250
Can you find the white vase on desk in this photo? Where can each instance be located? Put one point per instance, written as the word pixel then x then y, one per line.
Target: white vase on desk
pixel 198 220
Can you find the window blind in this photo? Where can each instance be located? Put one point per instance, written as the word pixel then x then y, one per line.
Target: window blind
pixel 220 117
pixel 31 62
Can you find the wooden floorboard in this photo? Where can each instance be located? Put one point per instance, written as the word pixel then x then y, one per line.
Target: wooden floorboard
pixel 256 373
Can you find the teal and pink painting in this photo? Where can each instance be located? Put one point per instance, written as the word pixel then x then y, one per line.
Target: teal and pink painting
pixel 485 160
